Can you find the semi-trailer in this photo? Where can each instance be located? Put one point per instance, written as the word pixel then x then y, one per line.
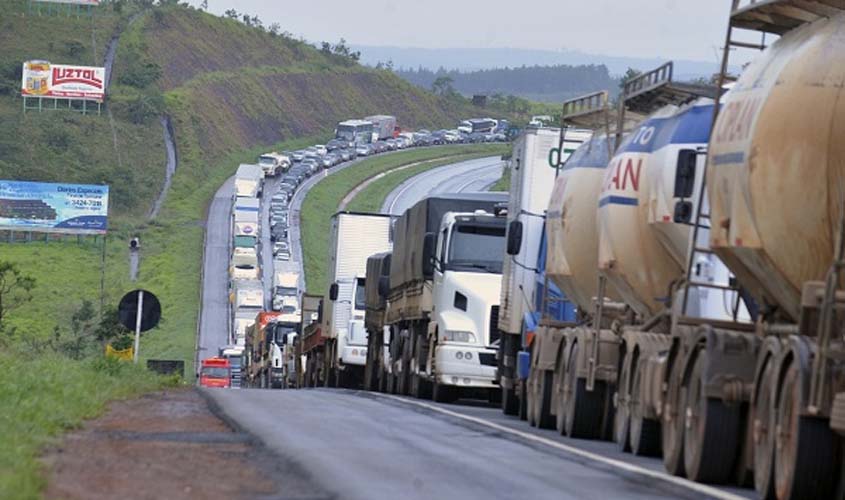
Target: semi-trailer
pixel 246 214
pixel 259 350
pixel 537 154
pixel 445 278
pixel 247 299
pixel 353 238
pixel 249 181
pixel 376 289
pixel 384 126
pixel 311 342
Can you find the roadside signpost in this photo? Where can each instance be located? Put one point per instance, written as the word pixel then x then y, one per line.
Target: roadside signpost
pixel 139 310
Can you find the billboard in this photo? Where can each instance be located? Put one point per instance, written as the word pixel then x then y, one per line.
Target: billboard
pixel 62 81
pixel 75 2
pixel 54 208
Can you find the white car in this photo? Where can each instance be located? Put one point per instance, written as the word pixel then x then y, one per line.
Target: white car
pixel 322 150
pixel 283 255
pixel 281 246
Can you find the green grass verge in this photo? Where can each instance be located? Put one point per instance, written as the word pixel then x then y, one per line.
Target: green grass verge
pixel 42 397
pixel 323 199
pixel 504 182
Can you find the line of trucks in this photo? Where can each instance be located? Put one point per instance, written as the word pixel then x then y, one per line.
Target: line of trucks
pixel 665 273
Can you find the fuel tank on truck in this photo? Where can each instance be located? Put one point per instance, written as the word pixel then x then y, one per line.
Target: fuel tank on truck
pixel 777 162
pixel 572 259
pixel 642 251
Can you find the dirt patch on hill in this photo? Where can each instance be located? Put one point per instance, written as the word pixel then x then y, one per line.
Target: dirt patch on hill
pixel 163 445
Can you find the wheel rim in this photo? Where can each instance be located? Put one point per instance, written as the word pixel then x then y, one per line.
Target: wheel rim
pixel 693 423
pixel 765 410
pixel 672 428
pixel 786 434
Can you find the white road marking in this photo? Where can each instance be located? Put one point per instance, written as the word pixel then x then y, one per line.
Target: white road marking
pixel 660 476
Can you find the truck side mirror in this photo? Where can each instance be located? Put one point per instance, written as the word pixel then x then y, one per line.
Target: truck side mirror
pixel 683 212
pixel 514 237
pixel 383 286
pixel 685 173
pixel 428 255
pixel 333 292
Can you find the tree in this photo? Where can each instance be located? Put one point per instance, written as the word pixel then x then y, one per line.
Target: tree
pixel 275 29
pixel 15 289
pixel 204 5
pixel 231 14
pixel 443 85
pixel 326 48
pixel 628 76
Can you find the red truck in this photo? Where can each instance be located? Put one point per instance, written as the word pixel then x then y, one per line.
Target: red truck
pixel 216 372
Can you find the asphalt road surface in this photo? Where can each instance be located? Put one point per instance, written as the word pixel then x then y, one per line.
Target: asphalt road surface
pixel 465 176
pixel 360 445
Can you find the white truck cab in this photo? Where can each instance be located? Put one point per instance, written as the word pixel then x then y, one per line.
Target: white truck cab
pixel 467 279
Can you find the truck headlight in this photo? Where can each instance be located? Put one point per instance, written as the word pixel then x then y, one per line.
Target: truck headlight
pixel 458 336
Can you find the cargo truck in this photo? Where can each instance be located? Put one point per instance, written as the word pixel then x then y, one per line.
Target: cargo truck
pixel 384 126
pixel 534 165
pixel 246 215
pixel 311 341
pixel 354 237
pixel 249 181
pixel 376 289
pixel 234 354
pixel 286 294
pixel 273 163
pixel 247 299
pixel 445 278
pixel 259 350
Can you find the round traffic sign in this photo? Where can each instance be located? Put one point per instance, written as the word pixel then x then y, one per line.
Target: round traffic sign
pixel 150 310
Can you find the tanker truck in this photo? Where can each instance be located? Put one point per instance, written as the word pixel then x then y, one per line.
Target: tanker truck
pixel 533 166
pixel 559 344
pixel 768 400
pixel 443 298
pixel 259 350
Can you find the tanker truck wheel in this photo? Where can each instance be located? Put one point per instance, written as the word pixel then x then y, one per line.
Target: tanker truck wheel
pixel 644 432
pixel 562 395
pixel 622 417
pixel 510 403
pixel 763 421
pixel 444 393
pixel 543 403
pixel 672 428
pixel 806 463
pixel 584 409
pixel 711 432
pixel 531 398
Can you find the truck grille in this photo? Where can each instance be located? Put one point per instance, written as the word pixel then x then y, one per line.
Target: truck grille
pixel 494 324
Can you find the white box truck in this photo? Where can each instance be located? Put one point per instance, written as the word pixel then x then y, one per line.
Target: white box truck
pixel 249 180
pixel 246 216
pixel 247 301
pixel 383 126
pixel 273 163
pixel 354 237
pixel 534 167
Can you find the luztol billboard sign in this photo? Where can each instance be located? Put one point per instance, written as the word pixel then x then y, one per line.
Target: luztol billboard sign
pixel 62 81
pixel 54 208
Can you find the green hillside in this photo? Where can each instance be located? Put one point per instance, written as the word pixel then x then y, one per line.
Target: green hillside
pixel 231 92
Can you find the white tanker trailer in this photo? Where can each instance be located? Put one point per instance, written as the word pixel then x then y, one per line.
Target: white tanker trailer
pixel 776 182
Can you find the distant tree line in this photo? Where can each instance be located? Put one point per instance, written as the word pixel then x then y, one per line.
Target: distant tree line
pixel 522 81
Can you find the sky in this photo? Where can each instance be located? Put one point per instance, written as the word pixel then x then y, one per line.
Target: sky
pixel 677 29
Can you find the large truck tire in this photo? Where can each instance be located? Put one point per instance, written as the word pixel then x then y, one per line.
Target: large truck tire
pixel 584 409
pixel 560 406
pixel 622 417
pixel 763 425
pixel 808 451
pixel 544 419
pixel 644 432
pixel 711 435
pixel 443 393
pixel 510 403
pixel 672 427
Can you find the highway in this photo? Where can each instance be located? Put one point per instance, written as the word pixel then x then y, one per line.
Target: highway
pixel 359 445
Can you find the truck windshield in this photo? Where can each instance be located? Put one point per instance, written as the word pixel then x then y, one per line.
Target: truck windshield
pixel 215 372
pixel 266 160
pixel 360 295
pixel 285 290
pixel 281 332
pixel 477 247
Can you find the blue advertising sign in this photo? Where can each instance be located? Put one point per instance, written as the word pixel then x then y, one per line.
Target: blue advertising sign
pixel 54 208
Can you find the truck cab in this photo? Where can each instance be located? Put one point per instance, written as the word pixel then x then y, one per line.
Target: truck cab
pixel 352 338
pixel 466 265
pixel 216 372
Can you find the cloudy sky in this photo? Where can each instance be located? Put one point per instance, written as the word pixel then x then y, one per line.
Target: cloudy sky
pixel 679 29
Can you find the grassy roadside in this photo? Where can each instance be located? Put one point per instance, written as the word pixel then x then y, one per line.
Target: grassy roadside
pixel 45 396
pixel 323 199
pixel 504 182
